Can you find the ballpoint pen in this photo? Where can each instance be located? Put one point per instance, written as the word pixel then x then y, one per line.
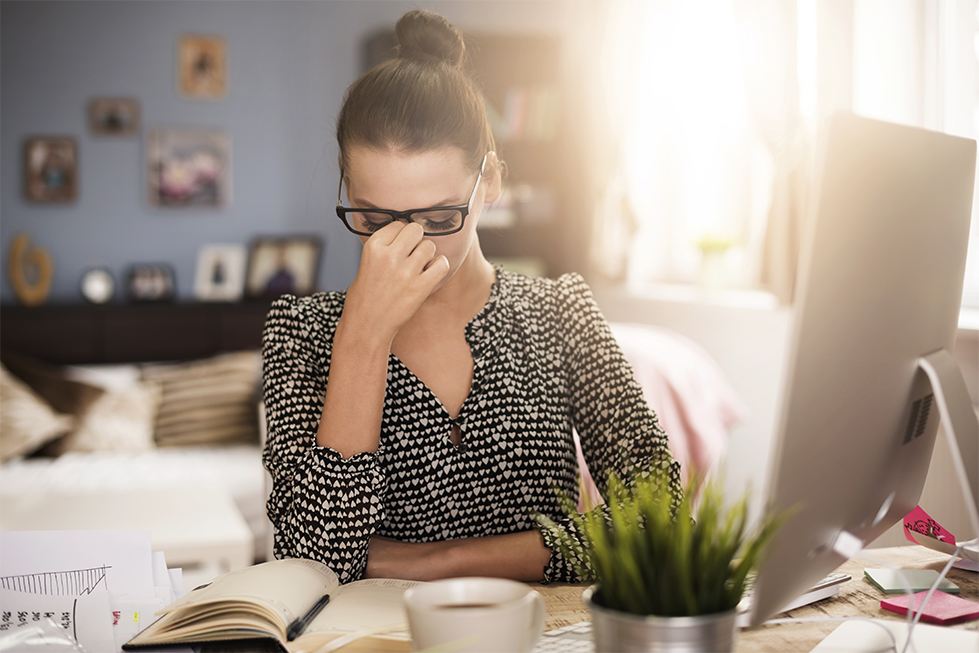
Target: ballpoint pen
pixel 297 627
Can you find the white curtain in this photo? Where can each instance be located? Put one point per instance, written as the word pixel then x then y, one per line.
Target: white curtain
pixel 702 102
pixel 712 108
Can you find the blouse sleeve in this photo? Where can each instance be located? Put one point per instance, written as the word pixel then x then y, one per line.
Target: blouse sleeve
pixel 322 507
pixel 618 430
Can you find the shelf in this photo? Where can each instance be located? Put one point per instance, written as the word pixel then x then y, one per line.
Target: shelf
pixel 68 334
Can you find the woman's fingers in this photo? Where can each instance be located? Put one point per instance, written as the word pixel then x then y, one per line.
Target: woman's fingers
pixel 399 269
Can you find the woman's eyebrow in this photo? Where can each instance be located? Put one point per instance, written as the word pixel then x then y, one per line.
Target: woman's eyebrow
pixel 362 204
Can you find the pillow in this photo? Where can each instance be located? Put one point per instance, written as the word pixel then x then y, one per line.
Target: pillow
pixel 49 382
pixel 208 401
pixel 122 419
pixel 26 421
pixel 106 376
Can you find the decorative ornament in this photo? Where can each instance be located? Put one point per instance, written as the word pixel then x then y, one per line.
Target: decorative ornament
pixel 98 286
pixel 31 270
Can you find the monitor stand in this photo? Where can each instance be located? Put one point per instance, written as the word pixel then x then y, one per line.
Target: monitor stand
pixel 961 426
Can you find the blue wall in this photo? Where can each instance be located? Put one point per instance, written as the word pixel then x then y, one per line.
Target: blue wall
pixel 289 63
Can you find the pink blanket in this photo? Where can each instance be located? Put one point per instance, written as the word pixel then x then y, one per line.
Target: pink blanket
pixel 684 386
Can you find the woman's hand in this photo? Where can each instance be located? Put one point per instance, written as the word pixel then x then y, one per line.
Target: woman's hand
pixel 398 271
pixel 519 556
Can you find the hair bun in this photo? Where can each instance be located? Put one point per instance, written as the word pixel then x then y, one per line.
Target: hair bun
pixel 426 36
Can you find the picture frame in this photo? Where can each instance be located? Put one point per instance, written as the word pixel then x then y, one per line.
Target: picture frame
pixel 188 167
pixel 51 169
pixel 114 116
pixel 220 274
pixel 202 67
pixel 283 265
pixel 151 283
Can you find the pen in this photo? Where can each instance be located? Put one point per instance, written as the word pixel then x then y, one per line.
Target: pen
pixel 297 627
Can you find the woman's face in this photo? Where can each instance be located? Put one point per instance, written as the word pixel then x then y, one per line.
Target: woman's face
pixel 386 179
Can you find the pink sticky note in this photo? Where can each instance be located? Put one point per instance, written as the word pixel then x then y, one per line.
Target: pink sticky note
pixel 942 608
pixel 918 521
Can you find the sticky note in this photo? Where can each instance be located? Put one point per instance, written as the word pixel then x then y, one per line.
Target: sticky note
pixel 941 608
pixel 919 521
pixel 889 581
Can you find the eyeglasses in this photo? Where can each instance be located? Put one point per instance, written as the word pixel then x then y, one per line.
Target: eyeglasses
pixel 436 221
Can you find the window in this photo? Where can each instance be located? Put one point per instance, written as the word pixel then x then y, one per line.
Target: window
pixel 714 106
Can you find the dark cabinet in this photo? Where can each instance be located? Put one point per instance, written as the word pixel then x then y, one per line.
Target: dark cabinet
pixel 125 333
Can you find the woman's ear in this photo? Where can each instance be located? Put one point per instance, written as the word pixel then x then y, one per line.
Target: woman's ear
pixel 492 178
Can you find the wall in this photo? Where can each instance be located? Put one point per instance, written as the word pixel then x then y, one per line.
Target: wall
pixel 289 62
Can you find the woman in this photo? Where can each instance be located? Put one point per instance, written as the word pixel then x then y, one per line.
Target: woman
pixel 419 421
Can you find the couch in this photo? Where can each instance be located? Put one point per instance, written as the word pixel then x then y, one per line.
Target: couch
pixel 134 397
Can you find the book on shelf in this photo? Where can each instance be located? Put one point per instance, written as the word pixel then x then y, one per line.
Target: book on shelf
pixel 257 607
pixel 527 114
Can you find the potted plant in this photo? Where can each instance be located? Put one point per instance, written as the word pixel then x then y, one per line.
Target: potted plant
pixel 669 570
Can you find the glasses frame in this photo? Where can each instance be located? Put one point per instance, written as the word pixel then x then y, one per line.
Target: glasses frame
pixel 342 210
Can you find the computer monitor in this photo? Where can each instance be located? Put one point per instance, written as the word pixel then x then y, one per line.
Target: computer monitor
pixel 879 289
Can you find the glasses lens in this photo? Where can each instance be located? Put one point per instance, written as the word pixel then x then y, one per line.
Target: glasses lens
pixel 438 221
pixel 368 222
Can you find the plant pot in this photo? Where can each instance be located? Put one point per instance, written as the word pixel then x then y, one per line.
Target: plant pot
pixel 622 632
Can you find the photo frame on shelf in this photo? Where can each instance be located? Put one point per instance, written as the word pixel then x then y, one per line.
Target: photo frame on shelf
pixel 202 67
pixel 220 275
pixel 283 265
pixel 151 283
pixel 189 168
pixel 51 169
pixel 114 116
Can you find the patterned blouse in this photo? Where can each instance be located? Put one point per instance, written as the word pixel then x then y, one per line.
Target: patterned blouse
pixel 544 361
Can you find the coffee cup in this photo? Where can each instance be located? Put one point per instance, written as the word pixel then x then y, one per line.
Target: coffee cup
pixel 475 615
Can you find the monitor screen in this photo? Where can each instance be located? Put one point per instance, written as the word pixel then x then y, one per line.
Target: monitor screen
pixel 880 286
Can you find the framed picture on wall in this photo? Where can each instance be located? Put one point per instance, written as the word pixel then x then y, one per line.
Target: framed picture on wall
pixel 113 116
pixel 50 169
pixel 189 168
pixel 202 67
pixel 277 266
pixel 220 273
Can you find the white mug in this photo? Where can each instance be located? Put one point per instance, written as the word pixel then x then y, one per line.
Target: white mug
pixel 475 615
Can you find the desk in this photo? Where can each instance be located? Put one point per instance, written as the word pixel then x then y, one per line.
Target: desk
pixel 857 597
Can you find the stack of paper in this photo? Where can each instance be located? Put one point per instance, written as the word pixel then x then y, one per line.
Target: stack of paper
pixel 101 587
pixel 900 581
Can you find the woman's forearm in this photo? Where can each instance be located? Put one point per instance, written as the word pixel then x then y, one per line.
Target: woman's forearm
pixel 518 556
pixel 354 403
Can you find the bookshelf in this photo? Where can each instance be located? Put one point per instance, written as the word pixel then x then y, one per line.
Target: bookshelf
pixel 543 218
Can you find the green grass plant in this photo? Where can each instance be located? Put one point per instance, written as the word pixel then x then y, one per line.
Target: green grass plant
pixel 653 553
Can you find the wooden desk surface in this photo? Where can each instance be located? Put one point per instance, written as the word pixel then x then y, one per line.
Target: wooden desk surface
pixel 857 598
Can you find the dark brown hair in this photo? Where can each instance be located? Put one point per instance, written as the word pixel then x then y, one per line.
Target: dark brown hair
pixel 421 100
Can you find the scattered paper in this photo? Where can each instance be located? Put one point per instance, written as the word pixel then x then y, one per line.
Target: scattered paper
pixel 101 587
pixel 66 562
pixel 85 617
